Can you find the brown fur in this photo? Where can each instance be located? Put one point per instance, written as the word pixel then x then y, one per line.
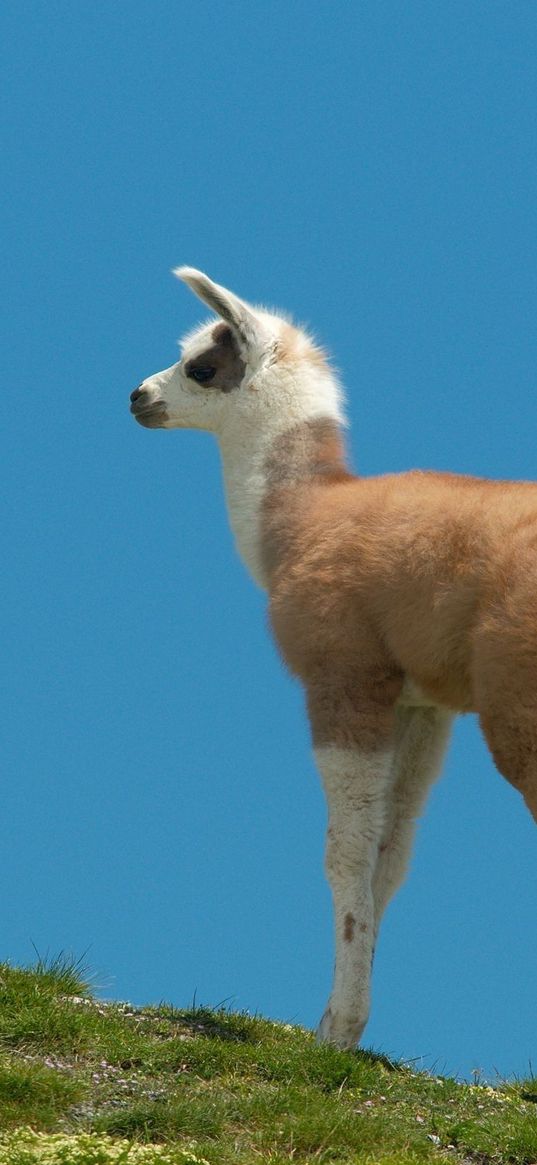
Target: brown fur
pixel 427 577
pixel 309 453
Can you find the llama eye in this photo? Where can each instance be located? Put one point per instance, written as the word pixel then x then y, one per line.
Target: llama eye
pixel 202 375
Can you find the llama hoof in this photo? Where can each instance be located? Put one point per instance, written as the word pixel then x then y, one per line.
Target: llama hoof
pixel 338 1030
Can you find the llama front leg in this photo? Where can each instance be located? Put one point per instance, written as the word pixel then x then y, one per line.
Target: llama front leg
pixel 422 735
pixel 357 785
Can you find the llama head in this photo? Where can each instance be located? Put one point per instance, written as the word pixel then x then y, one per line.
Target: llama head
pixel 249 365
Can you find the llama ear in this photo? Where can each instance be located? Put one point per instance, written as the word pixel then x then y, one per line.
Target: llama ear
pixel 228 306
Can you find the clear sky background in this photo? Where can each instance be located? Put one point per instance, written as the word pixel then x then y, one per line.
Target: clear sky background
pixel 372 168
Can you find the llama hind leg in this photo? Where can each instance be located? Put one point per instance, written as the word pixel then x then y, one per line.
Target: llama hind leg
pixel 511 734
pixel 505 683
pixel 422 736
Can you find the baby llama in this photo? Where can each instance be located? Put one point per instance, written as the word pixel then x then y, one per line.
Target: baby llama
pixel 397 601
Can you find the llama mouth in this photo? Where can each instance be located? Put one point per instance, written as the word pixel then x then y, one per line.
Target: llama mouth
pixel 151 416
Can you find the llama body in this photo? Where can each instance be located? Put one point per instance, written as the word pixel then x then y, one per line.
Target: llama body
pixel 398 601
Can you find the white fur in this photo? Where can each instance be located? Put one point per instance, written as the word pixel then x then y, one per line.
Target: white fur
pixel 357 788
pixel 373 804
pixel 273 397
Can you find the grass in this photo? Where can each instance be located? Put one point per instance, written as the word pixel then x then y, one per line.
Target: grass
pixel 83 1082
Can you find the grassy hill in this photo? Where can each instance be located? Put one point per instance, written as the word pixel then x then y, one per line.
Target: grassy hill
pixel 88 1083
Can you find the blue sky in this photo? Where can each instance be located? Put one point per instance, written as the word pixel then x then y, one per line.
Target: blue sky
pixel 371 168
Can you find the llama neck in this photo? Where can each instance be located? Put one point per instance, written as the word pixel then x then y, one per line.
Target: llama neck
pixel 263 464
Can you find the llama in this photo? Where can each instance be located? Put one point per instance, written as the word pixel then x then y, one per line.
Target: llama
pixel 398 601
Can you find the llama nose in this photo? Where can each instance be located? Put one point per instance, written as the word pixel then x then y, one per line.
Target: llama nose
pixel 137 392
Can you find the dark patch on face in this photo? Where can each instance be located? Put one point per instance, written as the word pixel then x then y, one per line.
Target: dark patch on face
pixel 223 357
